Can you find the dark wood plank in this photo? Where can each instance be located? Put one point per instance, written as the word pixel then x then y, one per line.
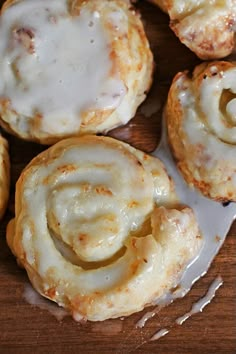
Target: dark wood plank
pixel 27 329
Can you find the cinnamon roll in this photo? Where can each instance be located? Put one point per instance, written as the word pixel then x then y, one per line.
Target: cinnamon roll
pixel 4 175
pixel 71 67
pixel 97 230
pixel 206 27
pixel 201 118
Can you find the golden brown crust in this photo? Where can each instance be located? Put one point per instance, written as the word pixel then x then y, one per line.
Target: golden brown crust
pixel 4 175
pixel 131 58
pixel 207 28
pixel 200 128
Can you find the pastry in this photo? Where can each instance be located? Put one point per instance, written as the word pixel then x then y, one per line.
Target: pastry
pixel 4 175
pixel 97 228
pixel 201 117
pixel 206 27
pixel 71 67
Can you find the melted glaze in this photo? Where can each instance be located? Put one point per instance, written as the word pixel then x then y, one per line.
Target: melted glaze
pixel 37 67
pixel 33 298
pixel 161 333
pixel 214 221
pixel 150 107
pixel 147 316
pixel 196 307
pixel 203 302
pixel 71 238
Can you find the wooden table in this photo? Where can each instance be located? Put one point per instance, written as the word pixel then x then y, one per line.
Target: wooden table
pixel 28 329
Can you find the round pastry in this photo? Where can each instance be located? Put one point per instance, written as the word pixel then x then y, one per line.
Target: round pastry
pixel 206 27
pixel 4 175
pixel 96 228
pixel 201 117
pixel 71 67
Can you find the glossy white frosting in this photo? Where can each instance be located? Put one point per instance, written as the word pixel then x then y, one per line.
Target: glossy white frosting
pixel 204 123
pixel 209 101
pixel 55 65
pixel 214 221
pixel 96 222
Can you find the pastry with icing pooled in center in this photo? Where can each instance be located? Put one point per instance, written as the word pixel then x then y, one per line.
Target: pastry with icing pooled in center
pixel 206 27
pixel 4 175
pixel 71 67
pixel 201 122
pixel 98 229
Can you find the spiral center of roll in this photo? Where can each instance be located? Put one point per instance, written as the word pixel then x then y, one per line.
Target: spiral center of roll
pixel 87 220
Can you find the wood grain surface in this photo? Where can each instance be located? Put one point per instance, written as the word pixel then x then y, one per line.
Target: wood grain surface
pixel 28 329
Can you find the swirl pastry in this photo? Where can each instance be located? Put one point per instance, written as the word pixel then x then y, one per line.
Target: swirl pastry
pixel 206 27
pixel 4 175
pixel 95 228
pixel 201 117
pixel 71 67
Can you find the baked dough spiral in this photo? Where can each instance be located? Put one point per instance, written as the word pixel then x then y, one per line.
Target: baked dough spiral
pixel 95 228
pixel 71 67
pixel 206 27
pixel 4 175
pixel 201 118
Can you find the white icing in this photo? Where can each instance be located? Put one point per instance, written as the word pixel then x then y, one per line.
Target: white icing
pixel 147 316
pixel 182 8
pixel 213 218
pixel 210 94
pixel 161 333
pixel 203 302
pixel 141 323
pixel 82 211
pixel 116 19
pixel 68 71
pixel 231 110
pixel 196 307
pixel 86 202
pixel 150 107
pixel 212 133
pixel 33 298
pixel 213 69
pixel 214 221
pixel 25 240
